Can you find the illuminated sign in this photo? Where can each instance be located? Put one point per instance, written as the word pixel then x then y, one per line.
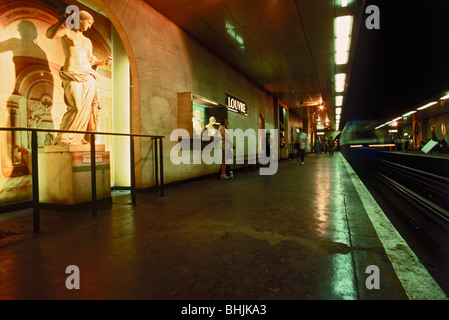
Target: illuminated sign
pixel 237 105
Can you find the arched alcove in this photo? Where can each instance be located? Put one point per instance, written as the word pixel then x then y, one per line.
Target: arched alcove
pixel 132 93
pixel 30 88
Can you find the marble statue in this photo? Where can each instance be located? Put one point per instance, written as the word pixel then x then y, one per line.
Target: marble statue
pixel 79 79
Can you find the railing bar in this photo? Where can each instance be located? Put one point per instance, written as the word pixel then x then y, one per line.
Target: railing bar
pixel 80 132
pixel 156 163
pixel 93 171
pixel 161 154
pixel 35 181
pixel 133 171
pixel 159 170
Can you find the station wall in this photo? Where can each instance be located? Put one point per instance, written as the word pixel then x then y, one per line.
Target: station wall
pixel 170 62
pixel 163 61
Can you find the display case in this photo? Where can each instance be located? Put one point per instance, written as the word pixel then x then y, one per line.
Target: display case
pixel 199 115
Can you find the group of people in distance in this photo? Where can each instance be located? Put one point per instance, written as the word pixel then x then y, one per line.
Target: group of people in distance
pixel 301 143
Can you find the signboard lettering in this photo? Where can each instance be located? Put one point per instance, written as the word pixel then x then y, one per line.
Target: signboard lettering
pixel 237 105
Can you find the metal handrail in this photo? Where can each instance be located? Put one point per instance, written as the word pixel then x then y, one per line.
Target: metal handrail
pixel 159 167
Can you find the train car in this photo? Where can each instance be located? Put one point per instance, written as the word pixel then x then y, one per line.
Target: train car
pixel 360 138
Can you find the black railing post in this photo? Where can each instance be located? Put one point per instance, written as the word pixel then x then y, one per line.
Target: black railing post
pixel 156 166
pixel 93 171
pixel 161 154
pixel 35 179
pixel 133 171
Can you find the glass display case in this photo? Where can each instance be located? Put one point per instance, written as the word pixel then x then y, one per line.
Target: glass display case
pixel 200 116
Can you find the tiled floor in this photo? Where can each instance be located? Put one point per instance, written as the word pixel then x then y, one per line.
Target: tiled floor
pixel 300 234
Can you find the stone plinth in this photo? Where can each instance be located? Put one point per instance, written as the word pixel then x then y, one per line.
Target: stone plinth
pixel 65 174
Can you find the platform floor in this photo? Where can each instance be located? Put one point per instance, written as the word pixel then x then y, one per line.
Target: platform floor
pixel 307 233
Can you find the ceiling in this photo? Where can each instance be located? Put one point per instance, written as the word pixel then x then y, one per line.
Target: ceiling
pixel 285 47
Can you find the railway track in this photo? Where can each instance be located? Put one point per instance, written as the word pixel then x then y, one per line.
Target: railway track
pixel 416 202
pixel 427 190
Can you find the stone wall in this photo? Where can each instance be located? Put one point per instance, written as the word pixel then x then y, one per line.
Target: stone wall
pixel 169 61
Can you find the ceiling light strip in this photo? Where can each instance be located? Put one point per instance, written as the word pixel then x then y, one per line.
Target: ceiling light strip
pixel 427 105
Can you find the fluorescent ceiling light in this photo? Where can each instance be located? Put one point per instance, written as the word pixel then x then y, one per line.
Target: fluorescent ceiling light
pixel 340 77
pixel 343 30
pixel 445 97
pixel 342 46
pixel 339 101
pixel 337 110
pixel 427 105
pixel 340 82
pixel 341 57
pixel 383 125
pixel 344 3
pixel 343 26
pixel 211 102
pixel 398 118
pixel 338 117
pixel 409 113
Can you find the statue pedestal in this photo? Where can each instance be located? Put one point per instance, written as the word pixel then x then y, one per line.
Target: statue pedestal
pixel 65 174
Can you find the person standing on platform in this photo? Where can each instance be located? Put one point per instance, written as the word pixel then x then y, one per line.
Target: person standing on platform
pixel 79 78
pixel 295 140
pixel 303 143
pixel 226 146
pixel 407 144
pixel 317 146
pixel 325 143
pixel 300 141
pixel 331 146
